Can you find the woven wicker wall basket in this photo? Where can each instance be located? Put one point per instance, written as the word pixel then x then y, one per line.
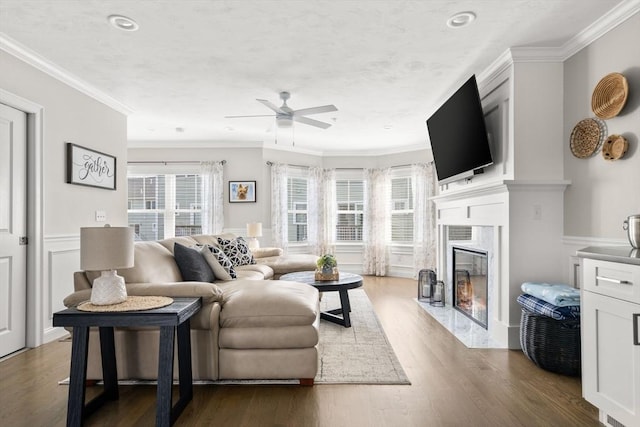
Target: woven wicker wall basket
pixel 609 96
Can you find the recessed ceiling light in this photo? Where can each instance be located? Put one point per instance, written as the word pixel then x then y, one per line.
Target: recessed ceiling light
pixel 461 19
pixel 387 127
pixel 123 23
pixel 229 128
pixel 179 130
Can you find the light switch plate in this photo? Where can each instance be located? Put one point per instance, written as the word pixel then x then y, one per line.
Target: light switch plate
pixel 101 216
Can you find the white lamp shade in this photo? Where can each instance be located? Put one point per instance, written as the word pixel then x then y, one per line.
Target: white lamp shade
pixel 106 248
pixel 254 229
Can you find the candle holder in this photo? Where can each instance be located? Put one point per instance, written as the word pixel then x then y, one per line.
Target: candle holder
pixel 426 279
pixel 437 294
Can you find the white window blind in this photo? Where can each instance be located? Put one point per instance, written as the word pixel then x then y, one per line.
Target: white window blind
pixel 297 208
pixel 164 205
pixel 401 209
pixel 350 209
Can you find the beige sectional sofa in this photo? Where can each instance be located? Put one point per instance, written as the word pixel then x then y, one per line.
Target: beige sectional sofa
pixel 252 327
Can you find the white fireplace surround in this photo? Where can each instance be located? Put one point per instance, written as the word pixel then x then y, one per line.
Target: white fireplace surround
pixel 521 222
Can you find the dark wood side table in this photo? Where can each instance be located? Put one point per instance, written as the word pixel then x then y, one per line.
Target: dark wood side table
pixel 345 282
pixel 170 318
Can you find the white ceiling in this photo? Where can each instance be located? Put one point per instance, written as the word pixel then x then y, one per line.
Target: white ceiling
pixel 382 62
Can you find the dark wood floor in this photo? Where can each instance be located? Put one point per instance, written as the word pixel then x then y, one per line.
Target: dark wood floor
pixel 451 386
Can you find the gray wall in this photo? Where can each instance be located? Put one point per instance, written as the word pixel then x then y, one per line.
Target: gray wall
pixel 71 116
pixel 603 193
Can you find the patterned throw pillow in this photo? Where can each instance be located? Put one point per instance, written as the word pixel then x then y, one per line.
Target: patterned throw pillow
pixel 219 262
pixel 237 250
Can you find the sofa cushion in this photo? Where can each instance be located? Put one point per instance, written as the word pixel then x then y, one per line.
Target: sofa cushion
pixel 212 239
pixel 153 264
pixel 264 270
pixel 248 274
pixel 192 264
pixel 219 262
pixel 237 250
pixel 268 303
pixel 278 337
pixel 265 252
pixel 290 263
pixel 183 240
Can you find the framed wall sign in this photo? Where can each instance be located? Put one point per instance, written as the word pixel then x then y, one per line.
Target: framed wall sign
pixel 89 167
pixel 242 191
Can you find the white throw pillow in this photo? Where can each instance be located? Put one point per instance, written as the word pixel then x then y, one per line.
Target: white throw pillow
pixel 219 262
pixel 237 250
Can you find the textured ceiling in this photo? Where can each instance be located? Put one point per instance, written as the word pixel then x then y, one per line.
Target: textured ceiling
pixel 382 63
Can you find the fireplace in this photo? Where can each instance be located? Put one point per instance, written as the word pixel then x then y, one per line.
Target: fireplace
pixel 470 284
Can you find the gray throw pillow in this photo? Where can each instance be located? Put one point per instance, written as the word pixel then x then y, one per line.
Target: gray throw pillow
pixel 192 264
pixel 219 263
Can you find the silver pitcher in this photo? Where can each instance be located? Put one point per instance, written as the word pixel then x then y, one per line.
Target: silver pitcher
pixel 632 225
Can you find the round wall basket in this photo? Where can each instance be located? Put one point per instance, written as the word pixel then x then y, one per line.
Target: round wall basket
pixel 614 147
pixel 587 136
pixel 609 96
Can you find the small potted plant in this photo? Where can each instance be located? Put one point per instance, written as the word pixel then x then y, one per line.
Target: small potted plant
pixel 327 268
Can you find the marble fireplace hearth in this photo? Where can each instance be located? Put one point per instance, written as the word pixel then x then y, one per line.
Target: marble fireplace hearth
pixel 464 329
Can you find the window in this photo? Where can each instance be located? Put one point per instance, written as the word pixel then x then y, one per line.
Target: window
pixel 401 209
pixel 297 208
pixel 164 205
pixel 350 209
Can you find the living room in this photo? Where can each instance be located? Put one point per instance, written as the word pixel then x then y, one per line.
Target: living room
pixel 556 83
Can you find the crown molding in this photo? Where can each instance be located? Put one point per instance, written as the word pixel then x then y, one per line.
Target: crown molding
pixel 193 144
pixel 41 63
pixel 170 144
pixel 603 25
pixel 584 38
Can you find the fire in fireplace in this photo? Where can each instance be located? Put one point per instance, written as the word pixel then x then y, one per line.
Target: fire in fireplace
pixel 470 294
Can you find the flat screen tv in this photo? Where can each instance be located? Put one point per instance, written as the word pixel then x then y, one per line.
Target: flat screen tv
pixel 458 135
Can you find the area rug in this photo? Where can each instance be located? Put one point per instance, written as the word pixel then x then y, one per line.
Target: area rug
pixel 360 354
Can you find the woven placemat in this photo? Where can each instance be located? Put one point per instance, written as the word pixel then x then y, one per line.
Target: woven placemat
pixel 133 303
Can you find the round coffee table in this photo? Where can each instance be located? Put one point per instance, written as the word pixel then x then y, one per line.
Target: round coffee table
pixel 345 282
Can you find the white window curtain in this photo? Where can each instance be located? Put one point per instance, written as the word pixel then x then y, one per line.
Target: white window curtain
pixel 424 217
pixel 212 197
pixel 279 228
pixel 376 221
pixel 321 210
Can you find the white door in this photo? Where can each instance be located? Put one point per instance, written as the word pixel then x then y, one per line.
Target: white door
pixel 13 227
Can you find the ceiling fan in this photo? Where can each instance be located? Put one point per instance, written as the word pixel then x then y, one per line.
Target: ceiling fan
pixel 285 115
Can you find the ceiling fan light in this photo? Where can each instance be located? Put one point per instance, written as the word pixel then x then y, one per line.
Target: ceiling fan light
pixel 284 122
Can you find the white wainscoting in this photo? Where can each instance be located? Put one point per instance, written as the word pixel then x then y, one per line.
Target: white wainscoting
pixel 61 260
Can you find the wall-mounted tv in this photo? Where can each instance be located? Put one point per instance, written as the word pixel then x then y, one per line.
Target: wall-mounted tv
pixel 458 135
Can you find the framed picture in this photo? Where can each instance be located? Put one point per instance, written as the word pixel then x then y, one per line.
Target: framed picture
pixel 89 167
pixel 242 191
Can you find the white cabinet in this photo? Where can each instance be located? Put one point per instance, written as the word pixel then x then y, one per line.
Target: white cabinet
pixel 610 334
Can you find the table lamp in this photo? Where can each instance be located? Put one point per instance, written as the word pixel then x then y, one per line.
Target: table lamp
pixel 254 229
pixel 105 249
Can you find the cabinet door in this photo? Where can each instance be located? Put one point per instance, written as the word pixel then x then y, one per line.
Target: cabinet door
pixel 610 360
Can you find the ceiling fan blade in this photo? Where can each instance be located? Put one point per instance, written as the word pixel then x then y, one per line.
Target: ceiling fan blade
pixel 315 110
pixel 270 105
pixel 239 117
pixel 311 122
